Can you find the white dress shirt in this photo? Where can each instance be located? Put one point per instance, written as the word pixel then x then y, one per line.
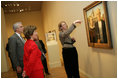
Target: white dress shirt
pixel 20 37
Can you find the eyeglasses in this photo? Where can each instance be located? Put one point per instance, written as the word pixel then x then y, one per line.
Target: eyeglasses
pixel 20 26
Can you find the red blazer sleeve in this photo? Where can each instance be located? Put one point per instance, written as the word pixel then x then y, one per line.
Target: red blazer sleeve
pixel 32 59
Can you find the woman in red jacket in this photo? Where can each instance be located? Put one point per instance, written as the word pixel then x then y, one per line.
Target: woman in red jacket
pixel 33 67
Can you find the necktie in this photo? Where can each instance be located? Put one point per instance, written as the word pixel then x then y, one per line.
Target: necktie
pixel 22 39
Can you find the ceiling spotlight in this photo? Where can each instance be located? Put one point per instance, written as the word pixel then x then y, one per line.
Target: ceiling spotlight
pixel 17 4
pixel 5 4
pixel 22 9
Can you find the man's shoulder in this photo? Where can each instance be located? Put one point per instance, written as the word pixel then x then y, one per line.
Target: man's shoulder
pixel 14 36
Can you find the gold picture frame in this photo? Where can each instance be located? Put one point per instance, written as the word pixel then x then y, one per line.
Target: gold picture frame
pixel 97 25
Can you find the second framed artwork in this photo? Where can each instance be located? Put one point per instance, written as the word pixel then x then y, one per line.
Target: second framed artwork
pixel 97 25
pixel 51 36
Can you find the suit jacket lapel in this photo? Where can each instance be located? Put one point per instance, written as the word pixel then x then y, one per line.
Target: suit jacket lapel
pixel 18 38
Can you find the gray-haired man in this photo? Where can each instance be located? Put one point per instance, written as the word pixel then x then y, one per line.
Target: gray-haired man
pixel 16 48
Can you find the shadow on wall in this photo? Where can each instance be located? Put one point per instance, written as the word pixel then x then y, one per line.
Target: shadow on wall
pixel 105 51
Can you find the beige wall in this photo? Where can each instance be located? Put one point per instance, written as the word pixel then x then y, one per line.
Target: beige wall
pixel 93 62
pixel 4 61
pixel 27 18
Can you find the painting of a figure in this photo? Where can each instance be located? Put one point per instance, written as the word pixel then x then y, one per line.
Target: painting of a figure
pixel 97 27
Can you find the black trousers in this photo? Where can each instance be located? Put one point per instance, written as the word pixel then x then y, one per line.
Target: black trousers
pixel 44 62
pixel 70 58
pixel 19 75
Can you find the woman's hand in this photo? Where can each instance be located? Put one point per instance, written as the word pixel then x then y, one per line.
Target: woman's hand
pixel 73 39
pixel 77 21
pixel 24 74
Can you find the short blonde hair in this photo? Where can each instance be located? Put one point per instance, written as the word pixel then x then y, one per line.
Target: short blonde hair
pixel 60 25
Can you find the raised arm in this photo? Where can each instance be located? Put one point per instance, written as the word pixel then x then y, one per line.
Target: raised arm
pixel 70 29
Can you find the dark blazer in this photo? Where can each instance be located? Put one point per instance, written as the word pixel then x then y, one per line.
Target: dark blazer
pixel 97 33
pixel 16 50
pixel 39 46
pixel 43 46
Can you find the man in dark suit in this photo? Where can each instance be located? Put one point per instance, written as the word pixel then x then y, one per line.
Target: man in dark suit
pixel 41 46
pixel 16 48
pixel 100 29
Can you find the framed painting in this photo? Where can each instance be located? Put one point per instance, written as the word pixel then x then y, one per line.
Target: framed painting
pixel 51 36
pixel 97 25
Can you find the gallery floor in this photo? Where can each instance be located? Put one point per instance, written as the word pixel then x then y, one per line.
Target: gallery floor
pixel 57 72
